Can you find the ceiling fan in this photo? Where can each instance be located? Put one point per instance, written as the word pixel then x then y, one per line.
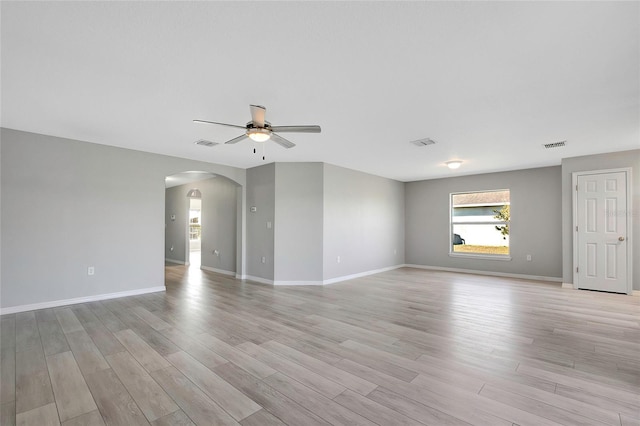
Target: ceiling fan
pixel 260 130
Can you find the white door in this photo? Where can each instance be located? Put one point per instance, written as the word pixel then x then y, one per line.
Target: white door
pixel 602 232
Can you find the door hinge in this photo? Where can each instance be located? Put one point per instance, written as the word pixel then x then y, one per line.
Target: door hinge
pixel 576 229
pixel 576 188
pixel 576 269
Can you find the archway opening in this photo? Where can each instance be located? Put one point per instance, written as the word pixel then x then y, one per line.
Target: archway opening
pixel 203 225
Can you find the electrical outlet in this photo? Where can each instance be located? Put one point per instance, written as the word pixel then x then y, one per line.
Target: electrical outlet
pixel 528 258
pixel 269 226
pixel 338 259
pixel 91 270
pixel 264 259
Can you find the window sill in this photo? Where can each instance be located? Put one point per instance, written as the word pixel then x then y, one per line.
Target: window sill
pixel 482 256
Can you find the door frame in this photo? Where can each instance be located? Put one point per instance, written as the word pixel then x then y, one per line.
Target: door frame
pixel 574 233
pixel 188 231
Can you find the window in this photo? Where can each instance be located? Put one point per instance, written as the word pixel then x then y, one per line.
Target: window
pixel 480 223
pixel 195 230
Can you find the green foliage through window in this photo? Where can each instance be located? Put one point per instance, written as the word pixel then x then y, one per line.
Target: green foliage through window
pixel 480 222
pixel 504 214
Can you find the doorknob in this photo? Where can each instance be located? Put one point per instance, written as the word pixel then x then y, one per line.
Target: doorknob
pixel 620 238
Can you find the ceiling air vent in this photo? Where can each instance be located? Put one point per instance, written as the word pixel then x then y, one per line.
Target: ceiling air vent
pixel 554 144
pixel 205 143
pixel 423 142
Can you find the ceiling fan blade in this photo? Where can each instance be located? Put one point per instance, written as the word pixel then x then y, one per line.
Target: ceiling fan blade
pixel 296 129
pixel 282 141
pixel 237 139
pixel 221 124
pixel 257 115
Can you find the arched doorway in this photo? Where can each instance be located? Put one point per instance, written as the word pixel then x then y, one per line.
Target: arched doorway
pixel 203 209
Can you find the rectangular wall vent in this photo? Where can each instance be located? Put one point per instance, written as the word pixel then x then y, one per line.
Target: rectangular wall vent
pixel 555 144
pixel 205 143
pixel 423 142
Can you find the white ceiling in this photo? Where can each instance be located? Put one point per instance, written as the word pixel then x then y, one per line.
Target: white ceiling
pixel 489 82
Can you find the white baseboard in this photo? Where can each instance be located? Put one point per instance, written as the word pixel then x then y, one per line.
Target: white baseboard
pixel 323 282
pixel 76 300
pixel 490 273
pixel 257 279
pixel 361 274
pixel 219 271
pixel 179 262
pixel 281 283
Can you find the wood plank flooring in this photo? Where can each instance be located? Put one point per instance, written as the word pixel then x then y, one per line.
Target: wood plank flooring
pixel 404 347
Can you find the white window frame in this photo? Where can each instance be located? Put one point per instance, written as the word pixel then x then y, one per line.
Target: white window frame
pixel 484 256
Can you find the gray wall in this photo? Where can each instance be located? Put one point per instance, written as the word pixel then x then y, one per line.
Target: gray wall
pixel 219 222
pixel 363 222
pixel 599 162
pixel 68 205
pixel 535 221
pixel 260 239
pixel 175 231
pixel 0 221
pixel 298 221
pixel 318 212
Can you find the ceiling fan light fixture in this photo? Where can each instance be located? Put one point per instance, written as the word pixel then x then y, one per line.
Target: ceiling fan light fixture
pixel 259 135
pixel 260 130
pixel 453 164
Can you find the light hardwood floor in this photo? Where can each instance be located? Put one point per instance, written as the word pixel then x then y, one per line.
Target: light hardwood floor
pixel 405 347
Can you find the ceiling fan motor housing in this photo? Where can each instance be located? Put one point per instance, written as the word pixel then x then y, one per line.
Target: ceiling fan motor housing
pixel 252 125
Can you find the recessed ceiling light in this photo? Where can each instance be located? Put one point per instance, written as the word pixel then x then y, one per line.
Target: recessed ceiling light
pixel 453 164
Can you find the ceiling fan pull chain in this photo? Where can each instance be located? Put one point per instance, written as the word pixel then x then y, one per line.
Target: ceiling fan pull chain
pixel 263 156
